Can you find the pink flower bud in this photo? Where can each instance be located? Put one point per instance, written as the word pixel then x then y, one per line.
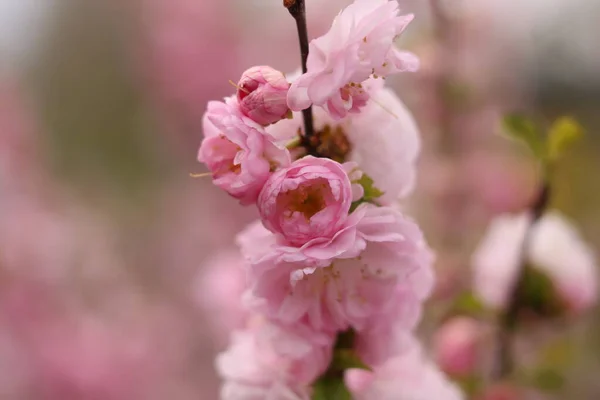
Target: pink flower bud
pixel 457 346
pixel 262 94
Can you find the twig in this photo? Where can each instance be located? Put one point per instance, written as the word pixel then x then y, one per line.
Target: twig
pixel 298 10
pixel 508 321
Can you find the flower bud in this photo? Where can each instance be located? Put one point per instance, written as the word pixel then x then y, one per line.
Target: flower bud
pixel 458 346
pixel 262 95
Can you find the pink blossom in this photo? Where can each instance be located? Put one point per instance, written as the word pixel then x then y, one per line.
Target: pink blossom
pixel 457 346
pixel 409 376
pixel 346 281
pixel 262 93
pixel 219 289
pixel 359 44
pixel 384 141
pixel 237 151
pixel 306 202
pixel 268 361
pixel 556 250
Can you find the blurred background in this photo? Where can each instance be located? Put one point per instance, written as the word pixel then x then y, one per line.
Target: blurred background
pixel 103 233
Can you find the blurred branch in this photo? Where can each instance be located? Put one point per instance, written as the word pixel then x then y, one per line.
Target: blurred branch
pixel 298 10
pixel 504 363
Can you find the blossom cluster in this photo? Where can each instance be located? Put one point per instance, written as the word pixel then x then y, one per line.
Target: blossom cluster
pixel 332 256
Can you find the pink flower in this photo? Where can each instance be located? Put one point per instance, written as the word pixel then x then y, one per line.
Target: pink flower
pixel 270 362
pixel 359 44
pixel 409 376
pixel 307 201
pixel 556 250
pixel 384 141
pixel 262 94
pixel 457 346
pixel 341 283
pixel 219 289
pixel 238 152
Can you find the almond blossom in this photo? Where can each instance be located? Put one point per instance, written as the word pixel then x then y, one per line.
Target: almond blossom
pixel 306 202
pixel 339 283
pixel 237 151
pixel 359 44
pixel 556 249
pixel 410 376
pixel 267 361
pixel 383 139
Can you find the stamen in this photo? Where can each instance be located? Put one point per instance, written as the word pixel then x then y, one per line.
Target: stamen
pixel 384 108
pixel 202 175
pixel 235 85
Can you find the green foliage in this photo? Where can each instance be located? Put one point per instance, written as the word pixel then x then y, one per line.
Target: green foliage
pixel 331 385
pixel 331 388
pixel 346 358
pixel 371 192
pixel 537 293
pixel 468 304
pixel 562 134
pixel 547 148
pixel 524 129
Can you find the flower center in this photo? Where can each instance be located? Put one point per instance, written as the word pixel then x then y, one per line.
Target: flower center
pixel 331 142
pixel 307 199
pixel 228 151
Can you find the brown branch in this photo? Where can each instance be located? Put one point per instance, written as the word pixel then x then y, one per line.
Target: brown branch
pixel 509 319
pixel 298 10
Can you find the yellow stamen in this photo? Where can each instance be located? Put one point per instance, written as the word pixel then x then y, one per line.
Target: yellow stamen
pixel 235 85
pixel 203 175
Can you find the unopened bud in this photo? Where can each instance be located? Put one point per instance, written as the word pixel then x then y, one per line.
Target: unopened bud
pixel 262 95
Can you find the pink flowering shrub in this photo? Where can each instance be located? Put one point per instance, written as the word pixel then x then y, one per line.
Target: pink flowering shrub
pixel 335 275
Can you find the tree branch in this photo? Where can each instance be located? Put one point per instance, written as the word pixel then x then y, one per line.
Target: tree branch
pixel 509 319
pixel 298 10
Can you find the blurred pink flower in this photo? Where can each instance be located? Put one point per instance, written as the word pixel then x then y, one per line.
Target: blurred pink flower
pixel 457 346
pixel 262 93
pixel 410 376
pixel 218 290
pixel 383 140
pixel 268 361
pixel 556 249
pixel 345 289
pixel 359 44
pixel 238 152
pixel 308 202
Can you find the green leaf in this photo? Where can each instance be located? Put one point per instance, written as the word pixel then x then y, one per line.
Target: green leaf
pixel 537 293
pixel 371 192
pixel 329 388
pixel 469 304
pixel 562 134
pixel 522 128
pixel 347 358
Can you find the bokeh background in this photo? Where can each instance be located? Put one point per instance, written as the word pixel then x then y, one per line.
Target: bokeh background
pixel 103 233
